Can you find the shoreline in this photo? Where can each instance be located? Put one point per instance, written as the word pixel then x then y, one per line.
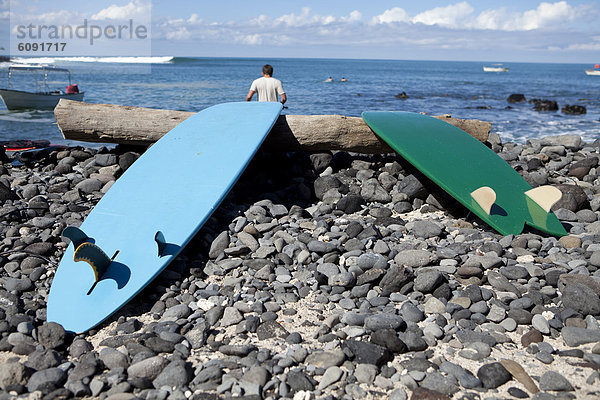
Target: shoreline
pixel 320 276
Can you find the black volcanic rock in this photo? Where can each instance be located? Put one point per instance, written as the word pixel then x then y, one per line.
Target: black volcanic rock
pixel 544 105
pixel 574 109
pixel 516 98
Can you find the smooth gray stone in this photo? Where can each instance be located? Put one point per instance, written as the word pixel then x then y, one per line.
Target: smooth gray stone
pixel 427 281
pixel 299 381
pixel 148 368
pixel 113 358
pixel 541 324
pixel 493 375
pixel 257 374
pixel 325 359
pixel 415 258
pixel 574 336
pixel 52 335
pixel 89 185
pixel 365 373
pixel 231 316
pixel 176 312
pixel 552 380
pixel 411 312
pixel 440 383
pixel 175 374
pixel 18 284
pixel 544 357
pixel 14 373
pixel 581 298
pixel 331 375
pixel 371 260
pixel 383 321
pixel 354 319
pixel 46 380
pixel 219 244
pixel 426 229
pixel 328 269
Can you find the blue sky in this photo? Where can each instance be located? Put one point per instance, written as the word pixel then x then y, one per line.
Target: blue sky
pixel 478 30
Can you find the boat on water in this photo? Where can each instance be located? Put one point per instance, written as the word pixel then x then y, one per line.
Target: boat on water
pixel 43 98
pixel 595 71
pixel 495 68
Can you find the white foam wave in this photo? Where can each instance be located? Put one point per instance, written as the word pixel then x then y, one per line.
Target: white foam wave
pixel 126 60
pixel 35 116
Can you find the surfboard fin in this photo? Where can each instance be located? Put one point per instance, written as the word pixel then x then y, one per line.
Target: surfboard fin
pixel 76 235
pixel 485 197
pixel 545 196
pixel 159 238
pixel 96 258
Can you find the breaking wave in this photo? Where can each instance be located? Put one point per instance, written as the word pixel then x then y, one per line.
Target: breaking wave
pixel 125 60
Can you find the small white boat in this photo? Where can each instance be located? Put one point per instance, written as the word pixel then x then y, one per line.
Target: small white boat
pixel 43 98
pixel 595 72
pixel 497 68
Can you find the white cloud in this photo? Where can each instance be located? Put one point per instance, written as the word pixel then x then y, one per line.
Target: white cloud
pixel 293 19
pixel 194 19
pixel 261 20
pixel 395 14
pixel 304 18
pixel 452 16
pixel 491 19
pixel 58 17
pixel 545 15
pixel 456 28
pixel 461 16
pixel 179 34
pixel 354 16
pixel 134 9
pixel 589 46
pixel 252 40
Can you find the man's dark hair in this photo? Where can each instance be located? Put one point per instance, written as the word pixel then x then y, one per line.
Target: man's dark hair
pixel 268 70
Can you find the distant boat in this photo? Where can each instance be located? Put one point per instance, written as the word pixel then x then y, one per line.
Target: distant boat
pixel 43 98
pixel 495 68
pixel 592 72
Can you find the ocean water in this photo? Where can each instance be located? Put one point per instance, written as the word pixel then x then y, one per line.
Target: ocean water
pixel 461 89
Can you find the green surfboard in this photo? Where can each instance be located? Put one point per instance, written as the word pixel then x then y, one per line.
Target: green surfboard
pixel 469 171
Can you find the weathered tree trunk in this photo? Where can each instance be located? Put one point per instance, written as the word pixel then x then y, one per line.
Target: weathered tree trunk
pixel 108 123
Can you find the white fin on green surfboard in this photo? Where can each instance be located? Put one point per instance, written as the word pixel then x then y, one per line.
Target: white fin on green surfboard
pixel 544 196
pixel 485 197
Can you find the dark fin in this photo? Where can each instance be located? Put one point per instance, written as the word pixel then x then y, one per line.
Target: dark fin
pixel 160 241
pixel 96 258
pixel 92 288
pixel 76 236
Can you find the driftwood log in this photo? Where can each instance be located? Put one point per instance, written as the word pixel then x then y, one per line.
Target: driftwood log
pixel 108 123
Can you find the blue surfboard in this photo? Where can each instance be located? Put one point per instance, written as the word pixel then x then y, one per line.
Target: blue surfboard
pixel 153 210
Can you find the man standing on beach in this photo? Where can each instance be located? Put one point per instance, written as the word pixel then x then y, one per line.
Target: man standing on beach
pixel 267 87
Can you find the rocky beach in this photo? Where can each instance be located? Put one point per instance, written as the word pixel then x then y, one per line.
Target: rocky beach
pixel 320 276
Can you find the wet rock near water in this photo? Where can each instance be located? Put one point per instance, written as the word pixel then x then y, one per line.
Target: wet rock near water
pixel 321 276
pixel 544 105
pixel 516 98
pixel 574 109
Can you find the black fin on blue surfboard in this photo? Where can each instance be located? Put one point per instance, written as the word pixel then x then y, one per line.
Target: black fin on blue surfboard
pixel 76 235
pixel 96 258
pixel 159 238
